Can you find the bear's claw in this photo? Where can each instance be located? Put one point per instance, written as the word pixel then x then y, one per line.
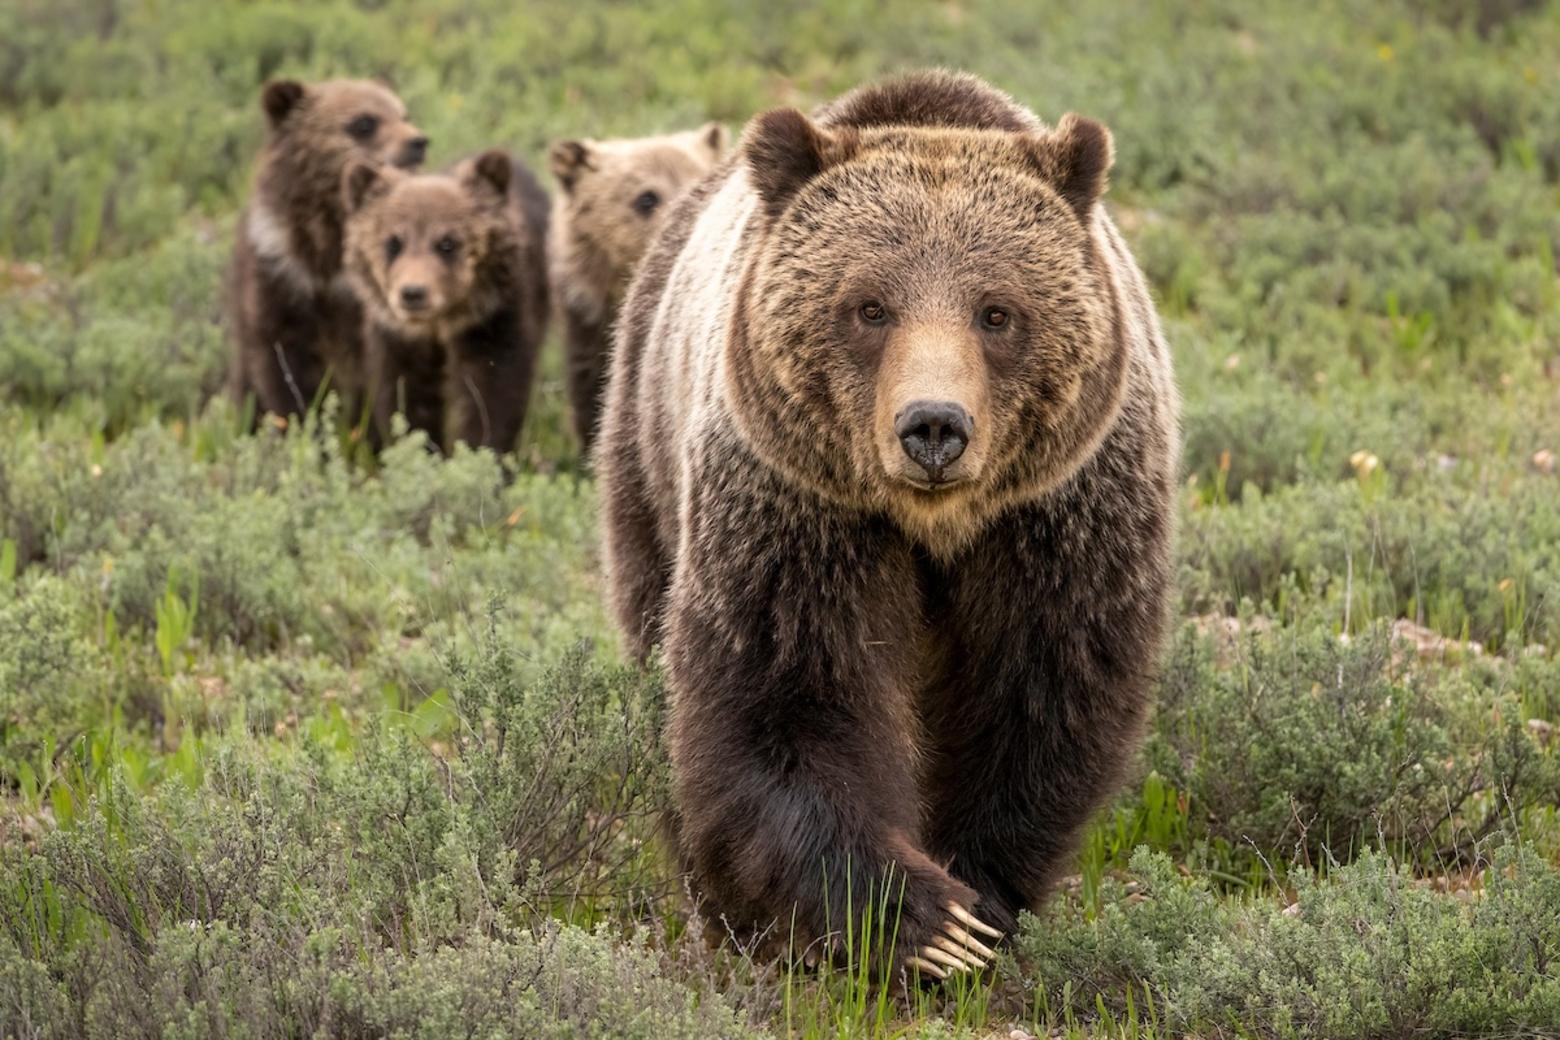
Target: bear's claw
pixel 958 950
pixel 966 941
pixel 968 919
pixel 926 967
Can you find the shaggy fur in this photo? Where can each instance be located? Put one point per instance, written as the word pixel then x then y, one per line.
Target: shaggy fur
pixel 452 271
pixel 292 319
pixel 875 674
pixel 613 198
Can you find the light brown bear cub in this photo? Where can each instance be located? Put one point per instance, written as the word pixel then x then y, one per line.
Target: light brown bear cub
pixel 613 197
pixel 452 271
pixel 888 470
pixel 292 319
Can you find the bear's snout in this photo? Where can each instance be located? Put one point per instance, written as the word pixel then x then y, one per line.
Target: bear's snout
pixel 414 297
pixel 934 434
pixel 412 153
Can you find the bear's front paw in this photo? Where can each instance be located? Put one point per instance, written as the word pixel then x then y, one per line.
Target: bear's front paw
pixel 951 948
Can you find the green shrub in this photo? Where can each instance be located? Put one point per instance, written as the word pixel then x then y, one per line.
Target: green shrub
pixel 1369 952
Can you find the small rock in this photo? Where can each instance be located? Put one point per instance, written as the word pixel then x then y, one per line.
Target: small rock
pixel 1544 461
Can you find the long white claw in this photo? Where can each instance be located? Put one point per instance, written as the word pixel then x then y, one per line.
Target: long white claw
pixel 967 941
pixel 970 956
pixel 970 920
pixel 926 966
pixel 948 960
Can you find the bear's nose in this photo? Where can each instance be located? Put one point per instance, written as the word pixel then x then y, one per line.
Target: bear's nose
pixel 934 434
pixel 412 152
pixel 414 297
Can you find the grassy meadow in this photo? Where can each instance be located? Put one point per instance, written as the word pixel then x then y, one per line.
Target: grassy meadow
pixel 297 743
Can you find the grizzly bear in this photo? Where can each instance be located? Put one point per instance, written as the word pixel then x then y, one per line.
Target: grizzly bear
pixel 452 271
pixel 887 469
pixel 291 317
pixel 613 197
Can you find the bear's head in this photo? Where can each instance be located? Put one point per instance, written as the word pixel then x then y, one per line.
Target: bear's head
pixel 927 324
pixel 615 193
pixel 431 252
pixel 321 128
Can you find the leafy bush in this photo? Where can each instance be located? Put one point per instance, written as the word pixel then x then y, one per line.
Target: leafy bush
pixel 1318 748
pixel 1369 952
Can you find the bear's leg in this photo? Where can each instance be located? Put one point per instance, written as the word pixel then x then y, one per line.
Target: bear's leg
pixel 1041 709
pixel 283 359
pixel 793 733
pixel 588 346
pixel 490 384
pixel 404 376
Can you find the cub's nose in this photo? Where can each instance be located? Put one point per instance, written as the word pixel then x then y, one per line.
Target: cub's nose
pixel 412 152
pixel 414 297
pixel 934 434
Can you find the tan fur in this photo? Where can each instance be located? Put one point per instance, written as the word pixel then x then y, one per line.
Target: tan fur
pixel 292 319
pixel 598 236
pixel 874 677
pixel 457 356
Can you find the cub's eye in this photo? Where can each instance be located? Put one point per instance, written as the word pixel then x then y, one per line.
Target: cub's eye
pixel 393 247
pixel 363 127
pixel 646 202
pixel 994 318
pixel 446 246
pixel 872 312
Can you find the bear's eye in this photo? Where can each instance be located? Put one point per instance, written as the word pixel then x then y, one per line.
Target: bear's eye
pixel 872 312
pixel 646 202
pixel 393 247
pixel 446 246
pixel 994 318
pixel 363 127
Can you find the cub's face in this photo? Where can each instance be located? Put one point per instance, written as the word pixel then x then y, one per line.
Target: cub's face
pixel 417 245
pixel 926 311
pixel 342 121
pixel 617 192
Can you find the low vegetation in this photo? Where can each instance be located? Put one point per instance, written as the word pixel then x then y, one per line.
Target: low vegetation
pixel 299 743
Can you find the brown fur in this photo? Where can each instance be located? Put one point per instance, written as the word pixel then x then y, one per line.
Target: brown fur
pixel 872 678
pixel 598 236
pixel 459 366
pixel 292 319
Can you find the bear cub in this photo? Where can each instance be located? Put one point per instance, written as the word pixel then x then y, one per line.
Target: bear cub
pixel 613 198
pixel 292 318
pixel 888 471
pixel 451 268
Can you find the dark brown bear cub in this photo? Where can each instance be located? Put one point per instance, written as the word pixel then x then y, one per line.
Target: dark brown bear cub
pixel 452 272
pixel 291 317
pixel 888 470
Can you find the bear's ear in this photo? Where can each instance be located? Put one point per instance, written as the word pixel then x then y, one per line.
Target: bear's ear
pixel 1075 157
pixel 361 183
pixel 714 137
pixel 569 159
pixel 491 171
pixel 785 150
pixel 279 98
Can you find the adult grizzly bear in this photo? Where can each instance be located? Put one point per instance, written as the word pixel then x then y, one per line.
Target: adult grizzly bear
pixel 888 469
pixel 613 198
pixel 291 316
pixel 452 271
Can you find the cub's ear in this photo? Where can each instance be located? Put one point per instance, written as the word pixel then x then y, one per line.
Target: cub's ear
pixel 785 150
pixel 569 161
pixel 1075 157
pixel 362 183
pixel 491 171
pixel 714 137
pixel 279 97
